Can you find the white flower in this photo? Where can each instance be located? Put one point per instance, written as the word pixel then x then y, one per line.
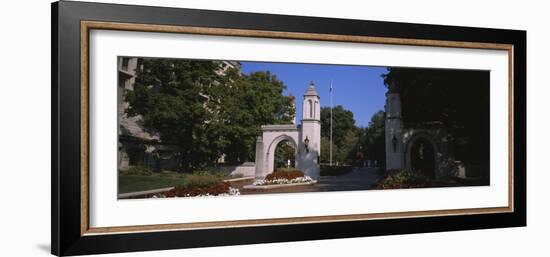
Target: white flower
pixel 232 191
pixel 280 181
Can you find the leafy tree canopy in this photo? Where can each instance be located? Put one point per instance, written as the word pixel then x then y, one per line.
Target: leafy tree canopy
pixel 207 109
pixel 342 123
pixel 373 143
pixel 283 152
pixel 352 144
pixel 343 135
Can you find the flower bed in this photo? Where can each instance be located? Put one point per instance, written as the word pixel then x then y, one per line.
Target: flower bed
pixel 220 189
pixel 281 181
pixel 284 177
pixel 288 174
pixel 201 184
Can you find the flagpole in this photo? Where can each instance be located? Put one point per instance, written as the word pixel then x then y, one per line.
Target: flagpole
pixel 331 122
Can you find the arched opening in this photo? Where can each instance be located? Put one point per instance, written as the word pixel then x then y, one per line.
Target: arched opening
pixel 284 155
pixel 422 156
pixel 310 103
pixel 271 143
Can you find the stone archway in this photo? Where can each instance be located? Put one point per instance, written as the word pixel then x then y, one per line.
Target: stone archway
pixel 421 155
pixel 270 154
pixel 272 135
pixel 305 138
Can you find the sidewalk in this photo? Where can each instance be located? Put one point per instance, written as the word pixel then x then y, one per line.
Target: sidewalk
pixel 358 179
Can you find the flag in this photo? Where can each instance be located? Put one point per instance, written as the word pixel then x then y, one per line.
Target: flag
pixel 331 86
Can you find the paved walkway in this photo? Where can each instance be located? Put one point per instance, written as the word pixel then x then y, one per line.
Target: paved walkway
pixel 358 179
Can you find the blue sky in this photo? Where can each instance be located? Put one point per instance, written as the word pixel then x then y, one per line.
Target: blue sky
pixel 357 88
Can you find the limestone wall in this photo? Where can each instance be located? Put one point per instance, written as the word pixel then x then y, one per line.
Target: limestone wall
pixel 247 169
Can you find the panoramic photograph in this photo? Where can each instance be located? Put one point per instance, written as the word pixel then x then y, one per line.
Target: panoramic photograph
pixel 214 128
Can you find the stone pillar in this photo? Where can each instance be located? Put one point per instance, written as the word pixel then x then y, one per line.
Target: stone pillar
pixel 259 169
pixel 395 149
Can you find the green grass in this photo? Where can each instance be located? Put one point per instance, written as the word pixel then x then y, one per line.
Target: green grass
pixel 139 178
pixel 136 180
pixel 135 183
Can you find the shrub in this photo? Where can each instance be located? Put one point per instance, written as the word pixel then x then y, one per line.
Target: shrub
pixel 138 171
pixel 285 174
pixel 403 179
pixel 201 183
pixel 327 170
pixel 192 181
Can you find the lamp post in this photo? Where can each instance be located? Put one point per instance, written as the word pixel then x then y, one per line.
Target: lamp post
pixel 306 144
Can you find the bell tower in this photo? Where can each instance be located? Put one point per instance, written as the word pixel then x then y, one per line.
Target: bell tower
pixel 310 138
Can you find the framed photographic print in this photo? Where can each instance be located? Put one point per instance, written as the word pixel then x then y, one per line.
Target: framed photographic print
pixel 178 128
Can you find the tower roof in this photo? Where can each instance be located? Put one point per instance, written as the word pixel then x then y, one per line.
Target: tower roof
pixel 311 91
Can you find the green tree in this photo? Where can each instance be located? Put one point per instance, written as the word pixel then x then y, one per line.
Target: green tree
pixel 342 123
pixel 344 135
pixel 253 100
pixel 284 152
pixel 206 109
pixel 325 150
pixel 348 150
pixel 171 97
pixel 374 142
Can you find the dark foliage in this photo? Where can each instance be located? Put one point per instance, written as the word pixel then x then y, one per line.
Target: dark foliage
pixel 456 99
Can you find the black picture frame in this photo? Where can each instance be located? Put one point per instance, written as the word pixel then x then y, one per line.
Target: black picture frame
pixel 66 235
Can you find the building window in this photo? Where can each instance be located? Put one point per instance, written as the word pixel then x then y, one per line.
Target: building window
pixel 125 62
pixel 121 82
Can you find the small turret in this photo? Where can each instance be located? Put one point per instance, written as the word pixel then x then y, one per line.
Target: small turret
pixel 311 109
pixel 311 90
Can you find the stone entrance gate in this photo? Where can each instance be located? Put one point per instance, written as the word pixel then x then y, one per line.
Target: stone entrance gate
pixel 305 138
